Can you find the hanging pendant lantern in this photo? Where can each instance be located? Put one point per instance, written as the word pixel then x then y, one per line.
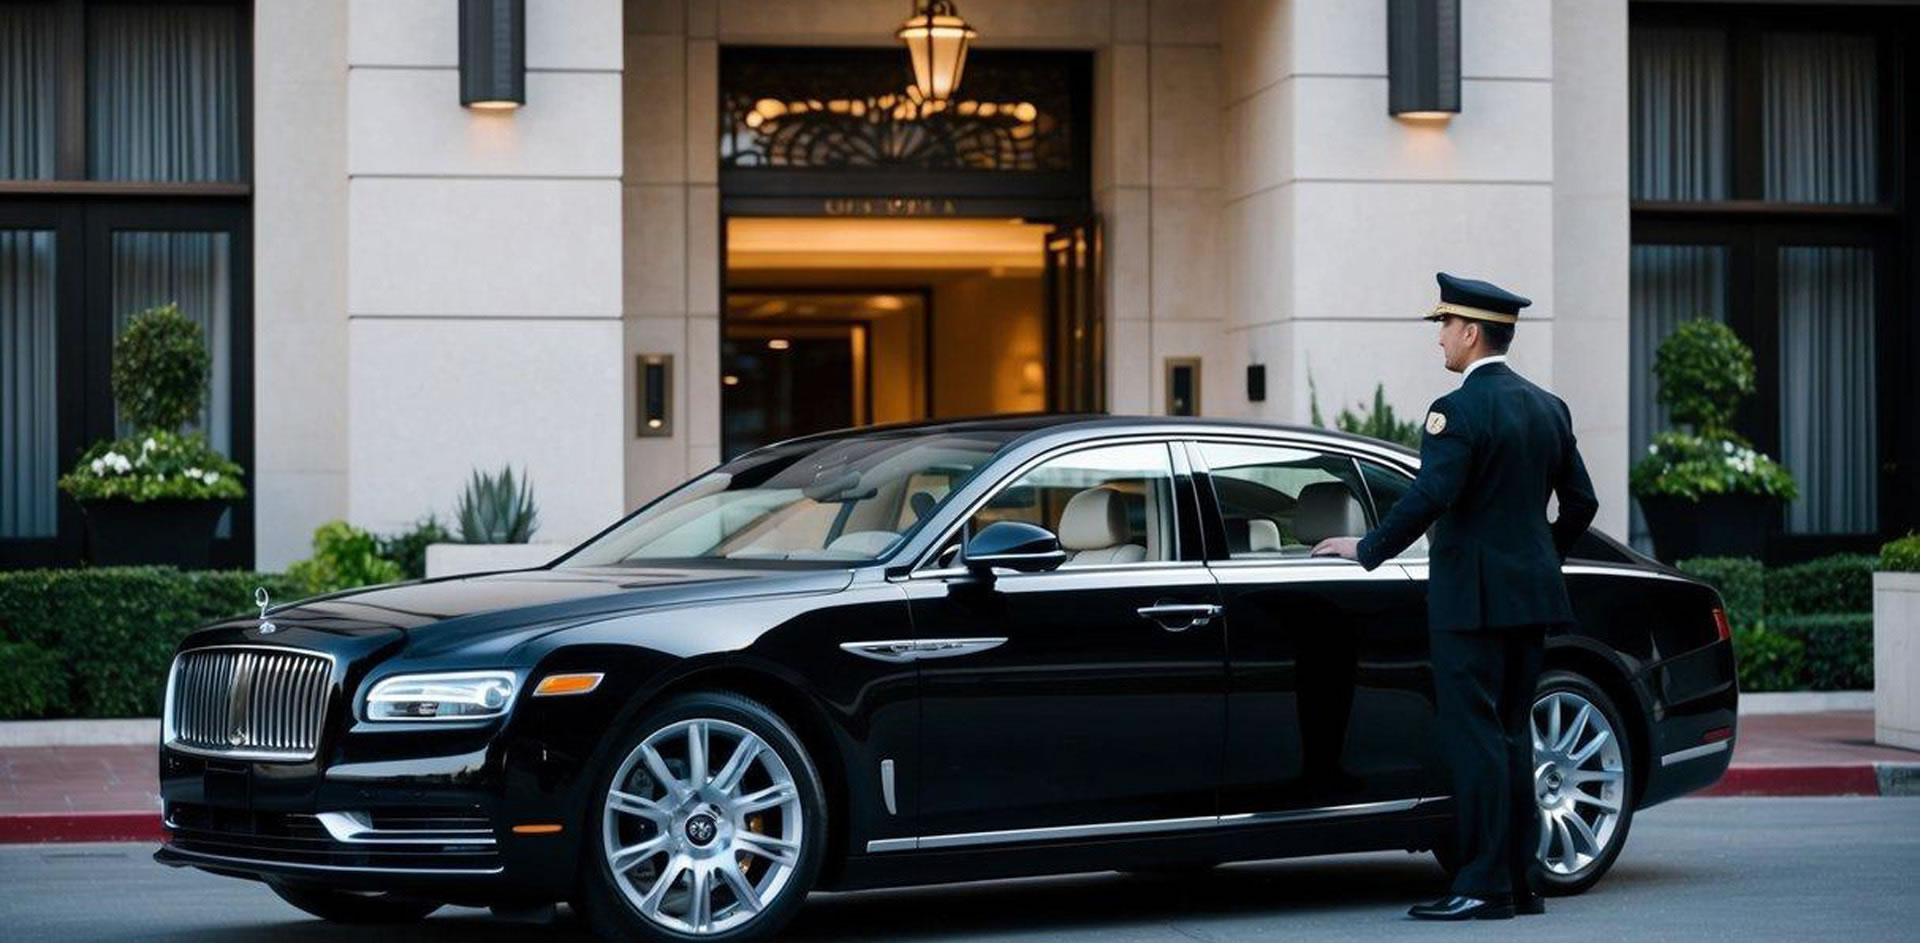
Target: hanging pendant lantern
pixel 937 40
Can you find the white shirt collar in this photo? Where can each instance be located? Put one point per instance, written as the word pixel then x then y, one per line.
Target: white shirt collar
pixel 1496 358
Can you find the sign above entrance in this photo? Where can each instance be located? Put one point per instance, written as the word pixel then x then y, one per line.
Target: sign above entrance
pixel 889 206
pixel 846 123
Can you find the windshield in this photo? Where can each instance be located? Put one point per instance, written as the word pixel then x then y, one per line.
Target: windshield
pixel 825 500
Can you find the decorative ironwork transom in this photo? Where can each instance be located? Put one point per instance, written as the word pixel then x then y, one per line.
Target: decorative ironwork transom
pixel 797 109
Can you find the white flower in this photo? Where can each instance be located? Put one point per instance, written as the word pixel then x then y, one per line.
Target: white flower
pixel 148 445
pixel 194 473
pixel 1726 447
pixel 211 477
pixel 98 465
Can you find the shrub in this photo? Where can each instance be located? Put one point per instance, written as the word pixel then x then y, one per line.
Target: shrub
pixel 1380 422
pixel 494 511
pixel 1741 582
pixel 1765 660
pixel 408 548
pixel 1837 647
pixel 1902 555
pixel 1704 372
pixel 112 630
pixel 152 467
pixel 33 683
pixel 160 368
pixel 1842 583
pixel 344 557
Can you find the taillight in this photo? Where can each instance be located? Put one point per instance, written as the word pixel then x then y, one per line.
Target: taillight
pixel 1720 623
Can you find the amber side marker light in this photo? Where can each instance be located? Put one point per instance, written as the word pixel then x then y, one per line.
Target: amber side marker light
pixel 535 829
pixel 555 685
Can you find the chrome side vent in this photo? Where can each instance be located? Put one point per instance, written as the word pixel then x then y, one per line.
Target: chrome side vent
pixel 246 702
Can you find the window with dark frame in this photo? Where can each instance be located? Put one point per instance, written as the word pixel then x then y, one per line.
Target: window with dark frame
pixel 124 168
pixel 1769 158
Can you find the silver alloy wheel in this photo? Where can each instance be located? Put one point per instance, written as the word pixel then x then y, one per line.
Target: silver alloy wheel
pixel 1579 781
pixel 695 849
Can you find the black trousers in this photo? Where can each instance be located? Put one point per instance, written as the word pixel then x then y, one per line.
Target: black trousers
pixel 1484 683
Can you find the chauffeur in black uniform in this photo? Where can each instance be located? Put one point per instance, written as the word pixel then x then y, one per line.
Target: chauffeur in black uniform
pixel 1493 451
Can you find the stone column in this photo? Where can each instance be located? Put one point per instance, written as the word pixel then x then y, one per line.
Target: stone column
pixel 484 267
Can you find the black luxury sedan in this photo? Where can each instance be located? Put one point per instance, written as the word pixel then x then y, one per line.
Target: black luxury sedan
pixel 904 655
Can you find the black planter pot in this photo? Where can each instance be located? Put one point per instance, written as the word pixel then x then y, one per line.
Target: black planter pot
pixel 172 532
pixel 1723 525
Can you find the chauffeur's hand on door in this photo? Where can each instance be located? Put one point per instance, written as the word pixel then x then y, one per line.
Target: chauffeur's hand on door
pixel 1346 547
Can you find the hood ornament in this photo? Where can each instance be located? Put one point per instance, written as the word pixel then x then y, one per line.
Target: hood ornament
pixel 260 598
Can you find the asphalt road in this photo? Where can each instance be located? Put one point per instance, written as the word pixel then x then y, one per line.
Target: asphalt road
pixel 1702 869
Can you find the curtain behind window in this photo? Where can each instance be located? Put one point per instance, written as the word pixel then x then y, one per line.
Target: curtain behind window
pixel 1677 83
pixel 1820 118
pixel 29 439
pixel 163 92
pixel 27 92
pixel 1667 285
pixel 192 270
pixel 1828 430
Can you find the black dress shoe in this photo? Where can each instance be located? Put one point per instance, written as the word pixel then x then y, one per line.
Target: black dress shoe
pixel 1461 907
pixel 1530 905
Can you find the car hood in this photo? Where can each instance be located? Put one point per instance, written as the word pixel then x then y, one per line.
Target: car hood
pixel 499 610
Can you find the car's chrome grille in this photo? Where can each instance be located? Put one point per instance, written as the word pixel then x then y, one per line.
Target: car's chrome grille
pixel 252 703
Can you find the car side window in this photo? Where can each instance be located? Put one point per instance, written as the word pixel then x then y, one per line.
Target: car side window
pixel 1108 505
pixel 1387 486
pixel 1278 501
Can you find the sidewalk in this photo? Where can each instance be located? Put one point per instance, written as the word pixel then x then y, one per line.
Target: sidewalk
pixel 104 793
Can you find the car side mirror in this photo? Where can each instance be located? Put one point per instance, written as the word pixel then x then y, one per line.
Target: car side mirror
pixel 1013 545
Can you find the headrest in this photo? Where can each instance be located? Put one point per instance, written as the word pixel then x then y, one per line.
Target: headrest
pixel 1327 509
pixel 1262 535
pixel 1094 520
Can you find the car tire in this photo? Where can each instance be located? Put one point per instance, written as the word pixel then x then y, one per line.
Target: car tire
pixel 1560 875
pixel 651 848
pixel 358 907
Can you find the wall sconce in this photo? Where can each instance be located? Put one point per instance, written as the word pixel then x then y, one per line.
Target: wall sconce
pixel 493 54
pixel 937 40
pixel 1423 58
pixel 653 381
pixel 1183 386
pixel 1257 383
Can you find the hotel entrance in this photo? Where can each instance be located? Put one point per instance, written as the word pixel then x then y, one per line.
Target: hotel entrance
pixel 891 259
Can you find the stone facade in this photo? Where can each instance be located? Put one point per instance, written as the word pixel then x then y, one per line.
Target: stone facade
pixel 439 288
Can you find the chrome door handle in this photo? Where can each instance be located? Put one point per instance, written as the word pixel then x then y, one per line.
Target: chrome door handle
pixel 1197 614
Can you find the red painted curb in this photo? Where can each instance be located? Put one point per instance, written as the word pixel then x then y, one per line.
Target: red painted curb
pixel 1854 780
pixel 36 827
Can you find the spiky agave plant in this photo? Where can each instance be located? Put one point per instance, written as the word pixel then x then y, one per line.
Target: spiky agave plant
pixel 495 509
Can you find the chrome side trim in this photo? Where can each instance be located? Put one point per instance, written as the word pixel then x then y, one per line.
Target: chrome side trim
pixel 198 858
pixel 1147 827
pixel 356 828
pixel 905 650
pixel 1694 753
pixel 886 786
pixel 1590 569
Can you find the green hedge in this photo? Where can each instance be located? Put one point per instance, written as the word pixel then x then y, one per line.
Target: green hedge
pixel 1836 584
pixel 108 633
pixel 1838 648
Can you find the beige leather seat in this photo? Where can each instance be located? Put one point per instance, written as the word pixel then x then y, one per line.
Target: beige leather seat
pixel 1327 509
pixel 1093 529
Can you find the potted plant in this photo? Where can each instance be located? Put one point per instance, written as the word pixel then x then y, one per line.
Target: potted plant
pixel 157 495
pixel 497 516
pixel 1896 644
pixel 1704 489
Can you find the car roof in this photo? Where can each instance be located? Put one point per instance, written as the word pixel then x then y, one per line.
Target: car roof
pixel 1029 425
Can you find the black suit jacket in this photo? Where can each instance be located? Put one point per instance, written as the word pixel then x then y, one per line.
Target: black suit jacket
pixel 1500 447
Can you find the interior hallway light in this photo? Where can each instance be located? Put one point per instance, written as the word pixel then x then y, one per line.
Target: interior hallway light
pixel 937 40
pixel 1423 58
pixel 493 54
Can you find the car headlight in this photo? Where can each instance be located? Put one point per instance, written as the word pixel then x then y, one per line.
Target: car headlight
pixel 466 695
